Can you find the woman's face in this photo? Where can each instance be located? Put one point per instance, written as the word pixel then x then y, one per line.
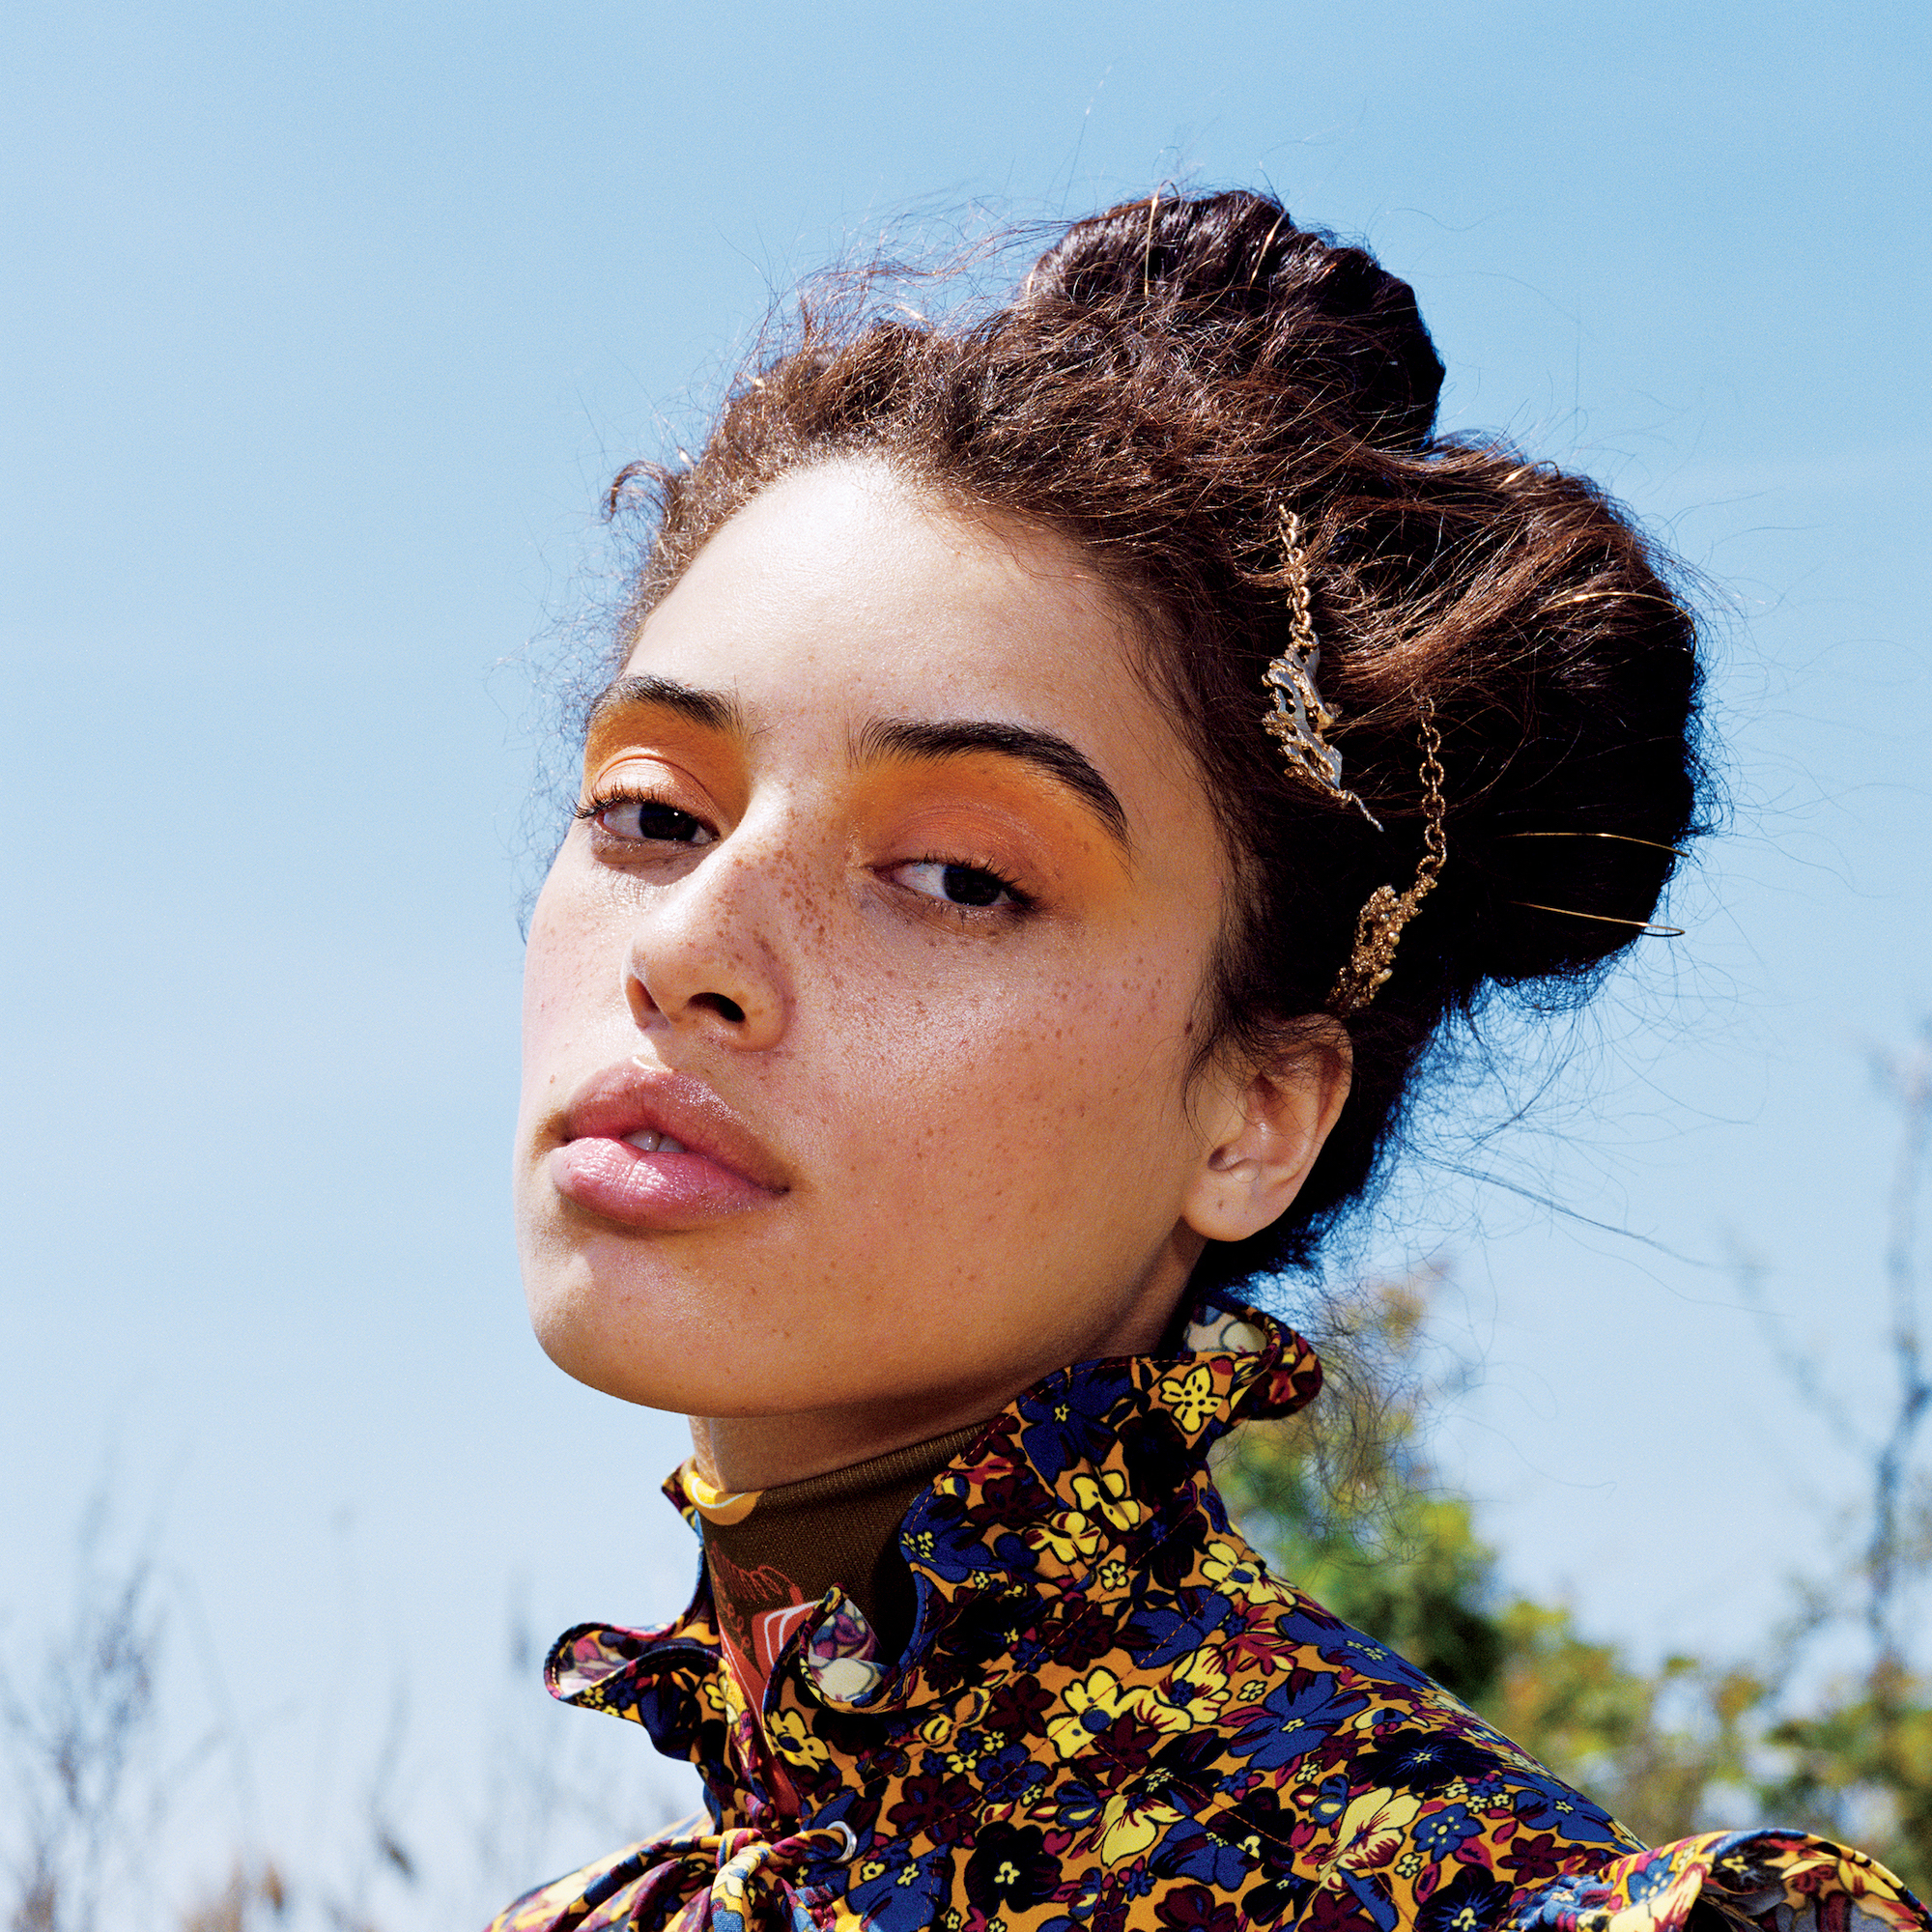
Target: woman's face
pixel 862 996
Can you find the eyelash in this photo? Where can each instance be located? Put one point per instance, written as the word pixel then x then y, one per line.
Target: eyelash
pixel 1020 900
pixel 600 802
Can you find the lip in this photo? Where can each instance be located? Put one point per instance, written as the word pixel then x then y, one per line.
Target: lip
pixel 724 1168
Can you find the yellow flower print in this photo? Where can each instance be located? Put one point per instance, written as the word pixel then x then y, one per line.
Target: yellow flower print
pixel 1090 1704
pixel 1128 1829
pixel 943 1726
pixel 1190 1397
pixel 1192 1693
pixel 1228 1568
pixel 792 1739
pixel 1069 1537
pixel 1372 1826
pixel 1113 1576
pixel 1106 1496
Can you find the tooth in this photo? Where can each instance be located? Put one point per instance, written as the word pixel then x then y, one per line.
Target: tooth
pixel 646 1141
pixel 665 1145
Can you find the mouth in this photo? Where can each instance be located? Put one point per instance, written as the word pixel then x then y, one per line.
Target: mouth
pixel 654 1150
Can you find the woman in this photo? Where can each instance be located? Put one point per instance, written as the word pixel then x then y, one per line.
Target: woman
pixel 1060 774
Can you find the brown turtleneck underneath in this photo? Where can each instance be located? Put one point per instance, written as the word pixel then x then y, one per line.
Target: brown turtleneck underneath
pixel 773 1553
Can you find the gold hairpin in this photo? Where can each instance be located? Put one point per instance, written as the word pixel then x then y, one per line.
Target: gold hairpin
pixel 1622 839
pixel 1146 248
pixel 1300 717
pixel 1378 924
pixel 1648 928
pixel 1601 596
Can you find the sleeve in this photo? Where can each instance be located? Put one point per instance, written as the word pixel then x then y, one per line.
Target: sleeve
pixel 1753 1881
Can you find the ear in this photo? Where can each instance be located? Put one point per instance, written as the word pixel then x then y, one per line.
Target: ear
pixel 1262 1126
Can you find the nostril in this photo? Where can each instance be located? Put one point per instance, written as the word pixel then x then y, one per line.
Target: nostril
pixel 725 1010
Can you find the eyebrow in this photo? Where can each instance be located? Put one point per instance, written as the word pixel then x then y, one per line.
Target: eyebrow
pixel 715 710
pixel 890 738
pixel 887 739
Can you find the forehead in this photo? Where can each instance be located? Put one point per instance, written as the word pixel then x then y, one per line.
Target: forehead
pixel 845 583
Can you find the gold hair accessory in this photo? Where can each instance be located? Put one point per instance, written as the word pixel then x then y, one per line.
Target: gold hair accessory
pixel 1299 717
pixel 1379 924
pixel 1647 928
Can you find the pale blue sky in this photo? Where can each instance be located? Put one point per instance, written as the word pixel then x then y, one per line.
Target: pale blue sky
pixel 328 325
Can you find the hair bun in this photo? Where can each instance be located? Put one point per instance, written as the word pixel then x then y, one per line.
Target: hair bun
pixel 1232 272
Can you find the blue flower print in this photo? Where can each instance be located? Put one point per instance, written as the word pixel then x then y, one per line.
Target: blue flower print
pixel 1561 1902
pixel 941 1534
pixel 1156 1633
pixel 1076 1805
pixel 1546 1805
pixel 1331 1801
pixel 1068 1420
pixel 1009 1775
pixel 1189 1852
pixel 1436 1834
pixel 1652 1876
pixel 1473 1901
pixel 1293 1720
pixel 898 1892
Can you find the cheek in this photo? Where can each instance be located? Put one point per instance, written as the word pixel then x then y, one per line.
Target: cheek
pixel 1029 1086
pixel 564 971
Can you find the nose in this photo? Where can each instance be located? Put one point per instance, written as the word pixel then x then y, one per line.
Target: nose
pixel 700 956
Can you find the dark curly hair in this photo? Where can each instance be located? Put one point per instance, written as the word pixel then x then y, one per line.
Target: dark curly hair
pixel 1167 379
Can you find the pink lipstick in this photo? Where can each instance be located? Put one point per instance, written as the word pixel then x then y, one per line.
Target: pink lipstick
pixel 657 1150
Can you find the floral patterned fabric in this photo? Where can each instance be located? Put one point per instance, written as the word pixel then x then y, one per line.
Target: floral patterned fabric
pixel 1109 1714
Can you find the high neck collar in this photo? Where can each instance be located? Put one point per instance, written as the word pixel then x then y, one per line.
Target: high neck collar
pixel 1075 1486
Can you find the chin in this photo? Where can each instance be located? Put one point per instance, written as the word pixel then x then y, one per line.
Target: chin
pixel 585 1349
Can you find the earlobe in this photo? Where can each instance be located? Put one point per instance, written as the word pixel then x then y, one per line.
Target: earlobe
pixel 1267 1128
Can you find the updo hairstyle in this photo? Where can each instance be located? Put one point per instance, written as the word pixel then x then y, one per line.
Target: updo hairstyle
pixel 1167 379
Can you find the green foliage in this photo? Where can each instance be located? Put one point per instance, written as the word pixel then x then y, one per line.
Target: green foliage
pixel 1344 1503
pixel 1863 1764
pixel 1664 1750
pixel 1347 1512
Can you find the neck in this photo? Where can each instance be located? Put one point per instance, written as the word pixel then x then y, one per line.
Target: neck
pixel 760 1452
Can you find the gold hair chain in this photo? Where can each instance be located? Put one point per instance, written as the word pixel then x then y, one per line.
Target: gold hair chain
pixel 1379 922
pixel 1298 720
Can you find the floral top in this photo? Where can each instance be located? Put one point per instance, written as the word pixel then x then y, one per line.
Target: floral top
pixel 1109 1714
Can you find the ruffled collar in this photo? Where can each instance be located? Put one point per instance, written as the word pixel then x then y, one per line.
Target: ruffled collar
pixel 1074 1488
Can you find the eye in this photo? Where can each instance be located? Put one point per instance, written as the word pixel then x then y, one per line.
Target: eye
pixel 952 884
pixel 639 820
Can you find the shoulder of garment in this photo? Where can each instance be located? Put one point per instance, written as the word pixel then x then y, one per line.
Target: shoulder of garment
pixel 1109 1714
